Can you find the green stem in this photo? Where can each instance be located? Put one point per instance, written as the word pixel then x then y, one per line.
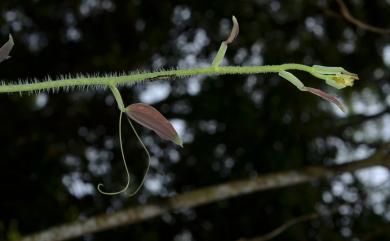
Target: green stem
pixel 118 97
pixel 136 78
pixel 220 54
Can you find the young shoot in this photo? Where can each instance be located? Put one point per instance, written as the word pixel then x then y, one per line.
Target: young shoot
pixel 148 116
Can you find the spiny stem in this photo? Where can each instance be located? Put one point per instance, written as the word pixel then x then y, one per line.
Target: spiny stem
pixel 136 78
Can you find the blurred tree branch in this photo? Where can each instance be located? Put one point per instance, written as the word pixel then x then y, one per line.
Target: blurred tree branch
pixel 346 14
pixel 206 195
pixel 376 233
pixel 351 121
pixel 279 230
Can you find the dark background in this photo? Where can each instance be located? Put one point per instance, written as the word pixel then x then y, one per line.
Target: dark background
pixel 55 148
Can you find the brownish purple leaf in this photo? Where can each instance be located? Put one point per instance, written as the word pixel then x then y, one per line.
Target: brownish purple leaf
pixel 234 31
pixel 327 97
pixel 6 49
pixel 151 118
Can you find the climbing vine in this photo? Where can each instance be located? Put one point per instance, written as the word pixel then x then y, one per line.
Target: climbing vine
pixel 148 116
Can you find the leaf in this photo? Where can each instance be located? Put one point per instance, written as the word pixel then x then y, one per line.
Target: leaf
pixel 327 97
pixel 6 49
pixel 151 118
pixel 234 31
pixel 222 49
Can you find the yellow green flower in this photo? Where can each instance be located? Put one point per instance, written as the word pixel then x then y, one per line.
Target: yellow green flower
pixel 336 77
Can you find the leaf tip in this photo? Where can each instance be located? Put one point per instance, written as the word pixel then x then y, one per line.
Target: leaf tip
pixel 11 40
pixel 178 141
pixel 234 32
